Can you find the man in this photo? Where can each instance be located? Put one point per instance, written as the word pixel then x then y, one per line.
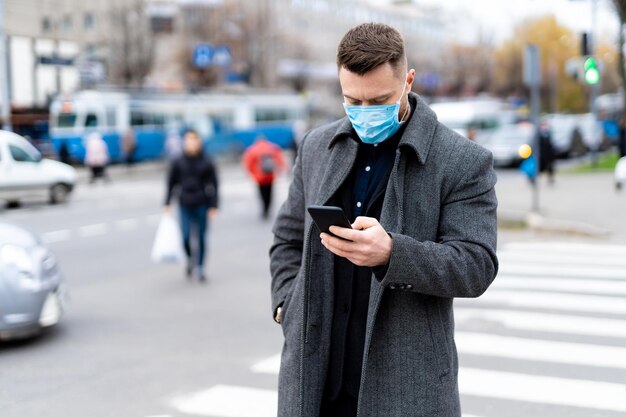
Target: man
pixel 547 154
pixel 368 320
pixel 263 161
pixel 194 177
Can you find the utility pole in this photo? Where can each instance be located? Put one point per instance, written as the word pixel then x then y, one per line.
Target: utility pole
pixel 4 74
pixel 595 88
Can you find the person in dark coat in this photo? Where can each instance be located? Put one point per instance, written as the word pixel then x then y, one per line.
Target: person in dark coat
pixel 367 320
pixel 547 154
pixel 193 178
pixel 621 145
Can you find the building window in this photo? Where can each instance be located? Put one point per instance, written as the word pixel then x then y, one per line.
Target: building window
pixel 46 24
pixel 89 21
pixel 67 22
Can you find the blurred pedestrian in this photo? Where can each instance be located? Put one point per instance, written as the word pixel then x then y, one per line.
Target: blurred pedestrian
pixel 129 147
pixel 264 161
pixel 621 143
pixel 472 133
pixel 547 153
pixel 97 157
pixel 64 153
pixel 366 312
pixel 193 179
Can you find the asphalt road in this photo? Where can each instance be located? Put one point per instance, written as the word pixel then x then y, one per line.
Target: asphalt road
pixel 548 339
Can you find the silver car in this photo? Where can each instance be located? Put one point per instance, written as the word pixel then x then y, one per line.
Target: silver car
pixel 33 295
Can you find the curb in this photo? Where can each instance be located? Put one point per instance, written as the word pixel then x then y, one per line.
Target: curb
pixel 537 222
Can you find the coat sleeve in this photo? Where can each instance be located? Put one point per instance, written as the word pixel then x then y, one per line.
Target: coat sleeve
pixel 287 249
pixel 213 184
pixel 463 262
pixel 172 181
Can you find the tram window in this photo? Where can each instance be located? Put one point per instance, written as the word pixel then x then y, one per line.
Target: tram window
pixel 136 119
pixel 271 115
pixel 91 120
pixel 66 120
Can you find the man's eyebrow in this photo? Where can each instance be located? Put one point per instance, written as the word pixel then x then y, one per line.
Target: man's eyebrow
pixel 379 98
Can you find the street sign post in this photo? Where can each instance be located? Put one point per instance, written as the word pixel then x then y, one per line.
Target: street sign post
pixel 532 79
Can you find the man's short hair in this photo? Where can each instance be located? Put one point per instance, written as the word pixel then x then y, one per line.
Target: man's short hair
pixel 369 45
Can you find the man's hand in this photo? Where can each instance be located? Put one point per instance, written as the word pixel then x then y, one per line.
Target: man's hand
pixel 213 212
pixel 366 244
pixel 167 209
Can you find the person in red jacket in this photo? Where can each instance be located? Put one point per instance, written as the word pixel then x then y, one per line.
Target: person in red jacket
pixel 264 161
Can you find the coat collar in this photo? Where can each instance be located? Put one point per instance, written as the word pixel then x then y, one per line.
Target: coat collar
pixel 417 136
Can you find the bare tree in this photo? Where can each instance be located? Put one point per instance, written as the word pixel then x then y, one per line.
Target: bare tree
pixel 132 44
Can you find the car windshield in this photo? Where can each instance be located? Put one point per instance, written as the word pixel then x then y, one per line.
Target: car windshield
pixel 511 134
pixel 24 152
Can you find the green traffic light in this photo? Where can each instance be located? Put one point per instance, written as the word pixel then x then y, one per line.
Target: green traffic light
pixel 592 74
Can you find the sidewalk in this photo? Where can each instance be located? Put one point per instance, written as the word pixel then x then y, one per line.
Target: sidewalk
pixel 577 204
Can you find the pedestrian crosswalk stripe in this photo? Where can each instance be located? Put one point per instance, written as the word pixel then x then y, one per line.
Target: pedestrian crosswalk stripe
pixel 568 302
pixel 229 401
pixel 529 269
pixel 542 389
pixel 569 248
pixel 533 257
pixel 541 350
pixel 542 322
pixel 563 284
pixel 267 366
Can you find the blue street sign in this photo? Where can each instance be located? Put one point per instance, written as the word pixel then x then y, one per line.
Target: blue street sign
pixel 529 167
pixel 222 56
pixel 203 55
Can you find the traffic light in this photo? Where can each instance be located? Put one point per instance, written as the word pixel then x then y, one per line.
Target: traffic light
pixel 592 73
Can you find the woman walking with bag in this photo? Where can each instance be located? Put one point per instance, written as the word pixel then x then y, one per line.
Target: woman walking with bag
pixel 193 178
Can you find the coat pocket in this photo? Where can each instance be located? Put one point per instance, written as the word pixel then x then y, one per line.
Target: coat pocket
pixel 440 341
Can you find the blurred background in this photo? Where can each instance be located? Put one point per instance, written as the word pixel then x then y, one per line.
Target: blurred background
pixel 91 326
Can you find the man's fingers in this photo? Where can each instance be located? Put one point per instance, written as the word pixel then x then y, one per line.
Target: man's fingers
pixel 344 232
pixel 362 222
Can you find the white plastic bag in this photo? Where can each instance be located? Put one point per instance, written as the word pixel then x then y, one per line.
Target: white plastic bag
pixel 167 247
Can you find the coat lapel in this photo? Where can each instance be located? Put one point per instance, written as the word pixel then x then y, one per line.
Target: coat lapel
pixel 342 157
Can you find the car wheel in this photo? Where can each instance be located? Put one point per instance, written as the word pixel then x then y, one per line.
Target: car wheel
pixel 13 204
pixel 59 193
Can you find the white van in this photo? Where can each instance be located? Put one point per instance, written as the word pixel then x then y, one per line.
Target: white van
pixel 484 115
pixel 25 175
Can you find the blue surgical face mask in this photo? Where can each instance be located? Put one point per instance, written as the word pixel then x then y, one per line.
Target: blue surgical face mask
pixel 375 124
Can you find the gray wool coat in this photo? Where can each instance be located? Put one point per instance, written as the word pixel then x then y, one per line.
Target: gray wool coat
pixel 440 209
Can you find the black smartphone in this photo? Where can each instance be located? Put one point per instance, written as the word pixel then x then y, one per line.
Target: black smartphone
pixel 326 216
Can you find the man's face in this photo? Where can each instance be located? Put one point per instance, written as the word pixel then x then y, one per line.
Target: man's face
pixel 382 85
pixel 192 144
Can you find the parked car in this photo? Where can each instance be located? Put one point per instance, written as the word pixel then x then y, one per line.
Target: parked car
pixel 482 115
pixel 33 294
pixel 504 143
pixel 26 175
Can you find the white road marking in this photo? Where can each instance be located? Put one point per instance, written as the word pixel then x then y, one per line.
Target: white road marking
pixel 229 401
pixel 568 302
pixel 127 224
pixel 542 389
pixel 543 322
pixel 56 236
pixel 267 366
pixel 567 248
pixel 541 350
pixel 562 284
pixel 590 272
pixel 570 259
pixel 97 229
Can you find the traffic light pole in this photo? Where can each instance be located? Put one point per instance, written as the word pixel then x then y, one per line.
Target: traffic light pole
pixel 595 88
